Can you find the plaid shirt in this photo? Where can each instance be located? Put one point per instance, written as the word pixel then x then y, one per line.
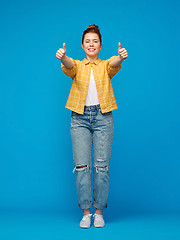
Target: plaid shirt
pixel 80 74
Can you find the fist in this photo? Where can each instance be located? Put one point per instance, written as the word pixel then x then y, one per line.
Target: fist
pixel 61 52
pixel 122 52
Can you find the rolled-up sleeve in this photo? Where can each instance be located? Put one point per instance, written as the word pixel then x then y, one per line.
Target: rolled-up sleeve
pixel 70 72
pixel 112 70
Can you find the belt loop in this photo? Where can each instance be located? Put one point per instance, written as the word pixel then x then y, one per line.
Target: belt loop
pixel 99 108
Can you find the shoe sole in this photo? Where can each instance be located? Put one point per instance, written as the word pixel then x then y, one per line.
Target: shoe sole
pixel 85 227
pixel 99 226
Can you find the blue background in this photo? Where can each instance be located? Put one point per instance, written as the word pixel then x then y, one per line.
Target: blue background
pixel 35 145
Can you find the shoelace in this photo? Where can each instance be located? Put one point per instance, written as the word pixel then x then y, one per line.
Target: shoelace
pixel 86 216
pixel 97 215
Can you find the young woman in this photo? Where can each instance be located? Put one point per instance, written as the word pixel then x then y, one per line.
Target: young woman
pixel 91 101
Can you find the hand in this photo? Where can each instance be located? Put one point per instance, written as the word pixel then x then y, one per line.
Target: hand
pixel 122 52
pixel 61 52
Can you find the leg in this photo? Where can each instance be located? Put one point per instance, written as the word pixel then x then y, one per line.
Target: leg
pixel 102 147
pixel 82 144
pixel 99 211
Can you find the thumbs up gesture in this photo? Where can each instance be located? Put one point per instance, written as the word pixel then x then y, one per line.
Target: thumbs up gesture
pixel 122 52
pixel 61 52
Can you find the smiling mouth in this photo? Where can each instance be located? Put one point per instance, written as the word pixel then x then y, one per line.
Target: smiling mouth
pixel 92 50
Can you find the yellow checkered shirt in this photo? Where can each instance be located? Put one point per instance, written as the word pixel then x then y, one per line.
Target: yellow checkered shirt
pixel 80 74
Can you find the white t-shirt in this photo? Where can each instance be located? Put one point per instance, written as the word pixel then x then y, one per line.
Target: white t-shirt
pixel 91 97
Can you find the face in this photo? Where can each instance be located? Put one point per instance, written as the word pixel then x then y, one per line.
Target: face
pixel 91 45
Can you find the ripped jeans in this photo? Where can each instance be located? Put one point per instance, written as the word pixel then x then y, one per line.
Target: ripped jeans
pixel 93 128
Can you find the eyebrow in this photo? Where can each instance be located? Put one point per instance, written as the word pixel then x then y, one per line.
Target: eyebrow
pixel 92 39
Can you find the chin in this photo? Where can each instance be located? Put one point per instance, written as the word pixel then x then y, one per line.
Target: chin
pixel 92 54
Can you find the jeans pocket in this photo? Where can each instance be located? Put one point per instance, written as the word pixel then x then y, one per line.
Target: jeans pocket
pixel 106 117
pixel 107 113
pixel 73 114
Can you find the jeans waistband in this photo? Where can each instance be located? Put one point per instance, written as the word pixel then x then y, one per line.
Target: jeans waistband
pixel 92 107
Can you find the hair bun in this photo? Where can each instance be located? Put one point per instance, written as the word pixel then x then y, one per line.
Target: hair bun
pixel 93 26
pixel 92 29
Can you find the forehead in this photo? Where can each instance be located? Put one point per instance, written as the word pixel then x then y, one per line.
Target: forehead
pixel 91 36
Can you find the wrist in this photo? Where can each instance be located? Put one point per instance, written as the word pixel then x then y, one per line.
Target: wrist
pixel 120 59
pixel 63 57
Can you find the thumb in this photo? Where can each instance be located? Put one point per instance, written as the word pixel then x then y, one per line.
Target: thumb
pixel 64 46
pixel 119 45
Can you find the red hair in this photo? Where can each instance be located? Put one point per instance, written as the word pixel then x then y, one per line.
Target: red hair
pixel 92 29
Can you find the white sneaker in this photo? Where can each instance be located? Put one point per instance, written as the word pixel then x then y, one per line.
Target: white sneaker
pixel 86 221
pixel 98 220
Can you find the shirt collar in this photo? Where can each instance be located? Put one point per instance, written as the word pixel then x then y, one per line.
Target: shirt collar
pixel 86 61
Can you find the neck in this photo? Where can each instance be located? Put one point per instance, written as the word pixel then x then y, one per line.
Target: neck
pixel 92 59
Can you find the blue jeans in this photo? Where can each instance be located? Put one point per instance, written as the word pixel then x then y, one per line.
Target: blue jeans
pixel 93 128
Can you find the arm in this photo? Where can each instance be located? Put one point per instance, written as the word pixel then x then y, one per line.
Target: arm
pixel 61 54
pixel 68 64
pixel 67 61
pixel 120 58
pixel 116 61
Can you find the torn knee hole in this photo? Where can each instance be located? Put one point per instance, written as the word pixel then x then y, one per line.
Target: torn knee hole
pixel 101 167
pixel 81 166
pixel 100 159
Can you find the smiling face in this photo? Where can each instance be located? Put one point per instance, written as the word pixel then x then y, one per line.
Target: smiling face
pixel 91 45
